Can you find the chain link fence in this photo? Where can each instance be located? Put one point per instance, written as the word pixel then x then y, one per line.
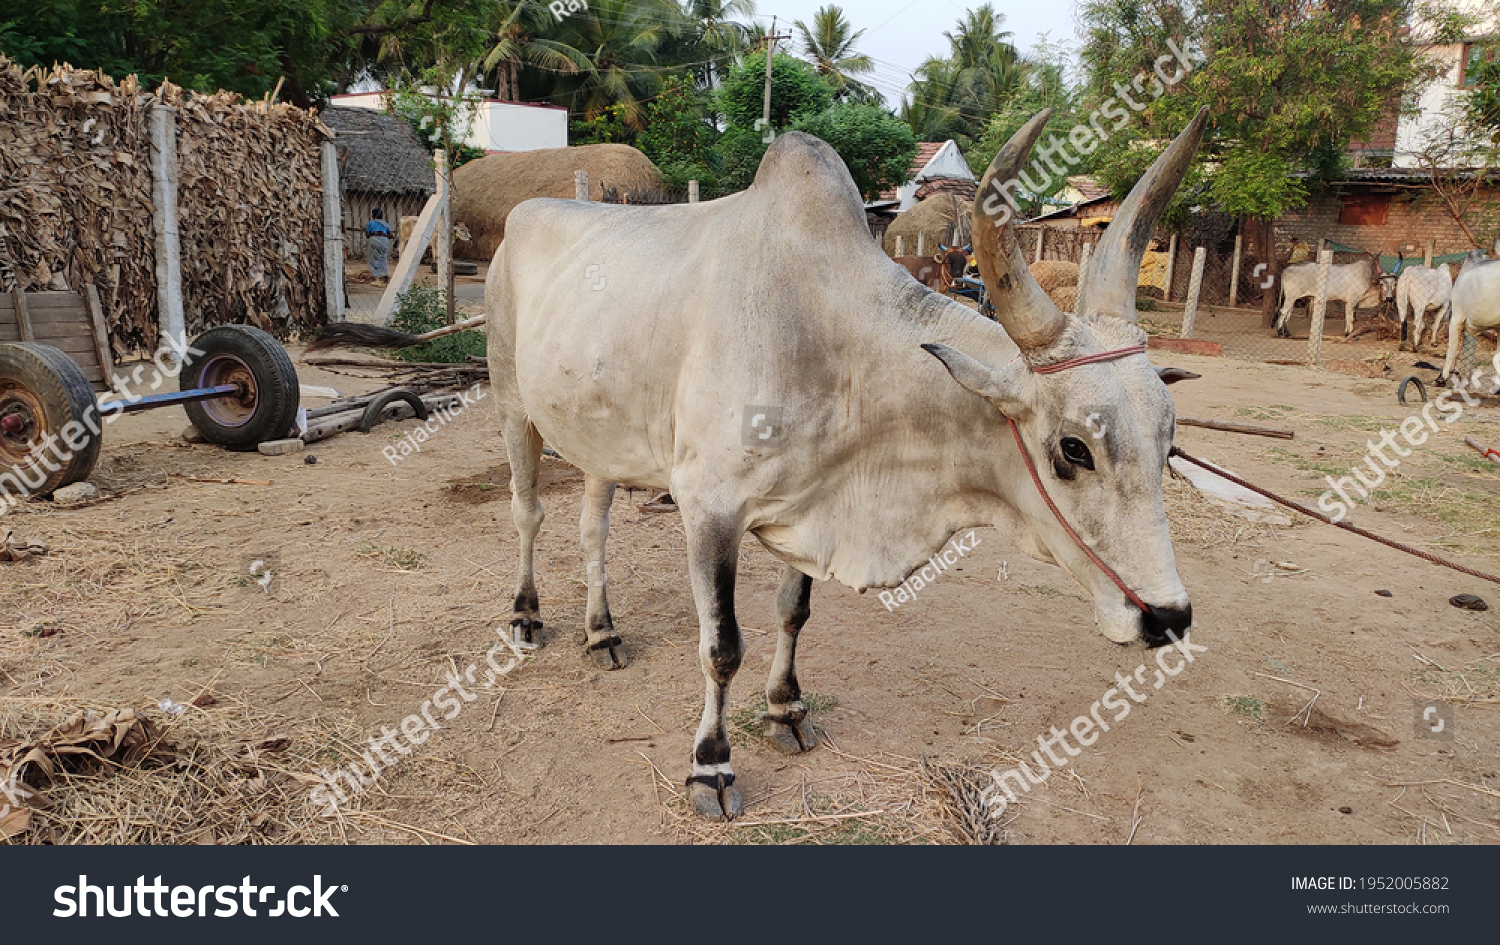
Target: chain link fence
pixel 1220 295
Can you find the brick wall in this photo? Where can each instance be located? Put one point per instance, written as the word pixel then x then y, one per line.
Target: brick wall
pixel 1410 222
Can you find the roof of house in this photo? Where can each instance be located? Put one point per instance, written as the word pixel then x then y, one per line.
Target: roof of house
pixel 926 151
pixel 1068 211
pixel 378 153
pixel 964 189
pixel 1088 186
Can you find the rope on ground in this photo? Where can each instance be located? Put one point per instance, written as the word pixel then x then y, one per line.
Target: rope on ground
pixel 1327 520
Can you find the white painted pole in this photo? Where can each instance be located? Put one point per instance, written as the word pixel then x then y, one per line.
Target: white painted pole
pixel 333 234
pixel 1166 289
pixel 1427 259
pixel 442 243
pixel 1195 286
pixel 900 245
pixel 1083 261
pixel 921 242
pixel 580 185
pixel 1041 236
pixel 171 321
pixel 692 191
pixel 1234 272
pixel 1319 307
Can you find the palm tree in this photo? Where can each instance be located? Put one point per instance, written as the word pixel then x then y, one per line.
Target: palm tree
pixel 955 97
pixel 518 43
pixel 829 45
pixel 715 35
pixel 622 41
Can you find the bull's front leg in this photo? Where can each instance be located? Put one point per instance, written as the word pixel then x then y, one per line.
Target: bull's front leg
pixel 713 557
pixel 786 725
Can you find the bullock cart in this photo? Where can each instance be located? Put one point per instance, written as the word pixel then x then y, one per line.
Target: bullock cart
pixel 236 383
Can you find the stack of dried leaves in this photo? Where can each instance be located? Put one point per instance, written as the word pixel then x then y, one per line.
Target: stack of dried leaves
pixel 75 192
pixel 76 201
pixel 117 777
pixel 250 212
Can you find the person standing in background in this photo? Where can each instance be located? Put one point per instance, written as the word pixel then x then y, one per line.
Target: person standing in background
pixel 378 235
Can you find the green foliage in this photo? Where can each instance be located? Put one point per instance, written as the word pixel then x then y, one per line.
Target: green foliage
pixel 956 96
pixel 680 137
pixel 796 89
pixel 1042 85
pixel 877 147
pixel 1288 86
pixel 1481 106
pixel 607 127
pixel 829 45
pixel 424 308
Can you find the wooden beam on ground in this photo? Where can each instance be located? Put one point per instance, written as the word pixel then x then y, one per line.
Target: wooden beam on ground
pixel 1249 428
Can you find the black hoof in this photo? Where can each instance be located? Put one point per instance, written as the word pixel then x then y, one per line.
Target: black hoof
pixel 608 652
pixel 719 800
pixel 526 630
pixel 789 738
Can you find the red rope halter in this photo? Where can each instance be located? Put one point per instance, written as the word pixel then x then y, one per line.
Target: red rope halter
pixel 1042 490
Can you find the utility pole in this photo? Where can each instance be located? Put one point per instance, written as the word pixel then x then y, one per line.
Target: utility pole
pixel 765 115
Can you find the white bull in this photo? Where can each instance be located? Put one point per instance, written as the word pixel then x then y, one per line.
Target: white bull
pixel 1355 284
pixel 852 425
pixel 1419 289
pixel 1476 306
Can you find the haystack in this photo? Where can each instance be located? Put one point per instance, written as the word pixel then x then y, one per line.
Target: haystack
pixel 485 191
pixel 942 217
pixel 1053 274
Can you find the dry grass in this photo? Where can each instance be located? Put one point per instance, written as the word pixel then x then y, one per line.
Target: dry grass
pixel 1196 521
pixel 217 775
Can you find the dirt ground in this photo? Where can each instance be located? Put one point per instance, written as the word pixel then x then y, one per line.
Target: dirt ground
pixel 385 577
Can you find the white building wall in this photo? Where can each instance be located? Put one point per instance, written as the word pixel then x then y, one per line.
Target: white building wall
pixel 1439 97
pixel 498 126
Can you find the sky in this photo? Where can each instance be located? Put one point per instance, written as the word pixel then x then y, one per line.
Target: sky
pixel 900 34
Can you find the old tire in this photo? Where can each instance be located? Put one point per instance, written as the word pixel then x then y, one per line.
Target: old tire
pixel 49 421
pixel 265 407
pixel 1405 382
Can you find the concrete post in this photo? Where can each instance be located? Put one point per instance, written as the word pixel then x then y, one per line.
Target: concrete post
pixel 1083 261
pixel 692 191
pixel 1195 287
pixel 170 318
pixel 900 245
pixel 442 239
pixel 1427 259
pixel 1041 237
pixel 580 185
pixel 1234 272
pixel 921 242
pixel 333 234
pixel 1319 307
pixel 1166 289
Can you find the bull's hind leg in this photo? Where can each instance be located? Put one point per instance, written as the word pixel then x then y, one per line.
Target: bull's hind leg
pixel 523 445
pixel 713 556
pixel 786 725
pixel 599 636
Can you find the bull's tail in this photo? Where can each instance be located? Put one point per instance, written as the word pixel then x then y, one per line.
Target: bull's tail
pixel 354 334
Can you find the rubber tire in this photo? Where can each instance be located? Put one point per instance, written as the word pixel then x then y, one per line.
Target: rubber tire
pixel 1411 379
pixel 376 407
pixel 65 395
pixel 277 393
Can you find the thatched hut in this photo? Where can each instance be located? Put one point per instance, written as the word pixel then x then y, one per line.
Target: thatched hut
pixel 942 219
pixel 382 164
pixel 485 191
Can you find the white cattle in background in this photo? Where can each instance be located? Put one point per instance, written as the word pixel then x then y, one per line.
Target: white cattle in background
pixel 1419 289
pixel 1476 304
pixel 1356 284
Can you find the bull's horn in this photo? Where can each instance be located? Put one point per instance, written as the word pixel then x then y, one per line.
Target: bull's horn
pixel 1021 307
pixel 1116 264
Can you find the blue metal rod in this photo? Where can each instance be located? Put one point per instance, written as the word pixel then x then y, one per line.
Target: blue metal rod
pixel 163 400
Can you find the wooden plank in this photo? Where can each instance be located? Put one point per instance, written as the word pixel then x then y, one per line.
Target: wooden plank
pixel 1236 428
pixel 9 332
pixel 101 330
pixel 23 317
pixel 55 301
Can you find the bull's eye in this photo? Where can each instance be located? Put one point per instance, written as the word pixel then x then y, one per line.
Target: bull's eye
pixel 1075 452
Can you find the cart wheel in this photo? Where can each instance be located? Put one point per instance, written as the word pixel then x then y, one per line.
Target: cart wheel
pixel 1411 379
pixel 49 420
pixel 266 406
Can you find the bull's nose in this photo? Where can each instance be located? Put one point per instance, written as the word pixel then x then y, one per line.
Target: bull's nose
pixel 1163 625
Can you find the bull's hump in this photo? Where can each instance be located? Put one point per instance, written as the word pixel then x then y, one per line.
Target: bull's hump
pixel 806 168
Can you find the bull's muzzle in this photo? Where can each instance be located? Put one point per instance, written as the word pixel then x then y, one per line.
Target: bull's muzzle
pixel 1165 625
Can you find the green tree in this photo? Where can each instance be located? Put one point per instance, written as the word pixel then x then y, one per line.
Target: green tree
pixel 796 89
pixel 518 41
pixel 1043 84
pixel 877 147
pixel 829 45
pixel 956 96
pixel 623 42
pixel 1288 85
pixel 680 137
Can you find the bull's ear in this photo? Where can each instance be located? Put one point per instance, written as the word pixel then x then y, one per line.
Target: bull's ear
pixel 1171 375
pixel 1001 387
